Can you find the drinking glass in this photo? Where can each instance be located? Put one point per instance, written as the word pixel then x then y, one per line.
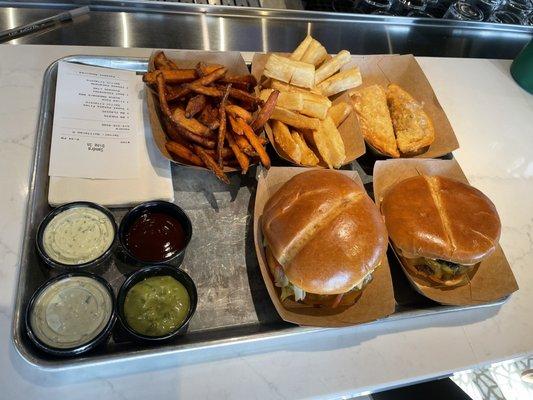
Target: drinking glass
pixel 369 6
pixel 437 8
pixel 404 7
pixel 464 11
pixel 521 8
pixel 420 14
pixel 487 6
pixel 504 17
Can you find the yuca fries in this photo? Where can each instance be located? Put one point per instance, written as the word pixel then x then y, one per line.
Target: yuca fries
pixel 304 122
pixel 208 115
pixel 339 112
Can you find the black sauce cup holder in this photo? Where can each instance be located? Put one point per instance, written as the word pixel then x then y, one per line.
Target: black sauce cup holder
pixel 97 341
pixel 147 272
pixel 164 207
pixel 89 265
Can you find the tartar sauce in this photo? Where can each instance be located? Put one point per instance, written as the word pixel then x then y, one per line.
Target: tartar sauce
pixel 71 312
pixel 78 235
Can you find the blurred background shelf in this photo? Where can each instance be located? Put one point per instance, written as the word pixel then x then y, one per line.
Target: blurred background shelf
pixel 171 24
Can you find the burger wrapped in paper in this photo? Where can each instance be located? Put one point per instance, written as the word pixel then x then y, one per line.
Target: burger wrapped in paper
pixel 324 237
pixel 440 228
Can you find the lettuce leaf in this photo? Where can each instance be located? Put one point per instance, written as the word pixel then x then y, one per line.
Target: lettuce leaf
pixel 287 289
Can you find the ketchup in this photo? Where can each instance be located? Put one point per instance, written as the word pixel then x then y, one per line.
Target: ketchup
pixel 155 236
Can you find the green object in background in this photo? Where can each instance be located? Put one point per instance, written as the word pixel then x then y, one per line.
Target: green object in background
pixel 522 68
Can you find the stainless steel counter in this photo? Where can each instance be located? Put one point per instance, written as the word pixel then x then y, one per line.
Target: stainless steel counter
pixel 189 26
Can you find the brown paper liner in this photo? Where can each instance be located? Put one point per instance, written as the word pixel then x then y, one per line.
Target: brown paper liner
pixel 405 71
pixel 188 59
pixel 493 279
pixel 349 129
pixel 377 300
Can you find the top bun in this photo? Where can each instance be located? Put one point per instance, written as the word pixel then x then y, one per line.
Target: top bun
pixel 440 218
pixel 325 231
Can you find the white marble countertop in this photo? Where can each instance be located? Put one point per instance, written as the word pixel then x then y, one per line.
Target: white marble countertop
pixel 492 118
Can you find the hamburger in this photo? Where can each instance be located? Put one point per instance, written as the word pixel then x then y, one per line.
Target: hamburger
pixel 440 228
pixel 324 237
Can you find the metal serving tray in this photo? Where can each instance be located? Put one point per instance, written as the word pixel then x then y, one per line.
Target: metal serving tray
pixel 233 304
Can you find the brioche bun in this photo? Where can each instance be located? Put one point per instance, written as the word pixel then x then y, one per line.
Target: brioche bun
pixel 441 218
pixel 324 231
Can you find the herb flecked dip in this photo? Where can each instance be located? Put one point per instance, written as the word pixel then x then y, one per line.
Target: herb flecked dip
pixel 78 235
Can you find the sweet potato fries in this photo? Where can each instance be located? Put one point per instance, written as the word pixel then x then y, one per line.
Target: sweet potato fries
pixel 211 119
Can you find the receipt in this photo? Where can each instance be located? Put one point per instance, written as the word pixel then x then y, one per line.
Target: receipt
pixel 97 118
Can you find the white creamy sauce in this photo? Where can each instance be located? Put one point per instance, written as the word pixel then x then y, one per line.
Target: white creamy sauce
pixel 78 235
pixel 71 312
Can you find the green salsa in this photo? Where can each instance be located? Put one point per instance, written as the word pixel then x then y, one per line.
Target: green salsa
pixel 156 306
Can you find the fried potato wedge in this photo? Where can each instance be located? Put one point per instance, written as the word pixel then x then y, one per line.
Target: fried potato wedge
pixel 308 157
pixel 338 151
pixel 339 112
pixel 285 141
pixel 329 143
